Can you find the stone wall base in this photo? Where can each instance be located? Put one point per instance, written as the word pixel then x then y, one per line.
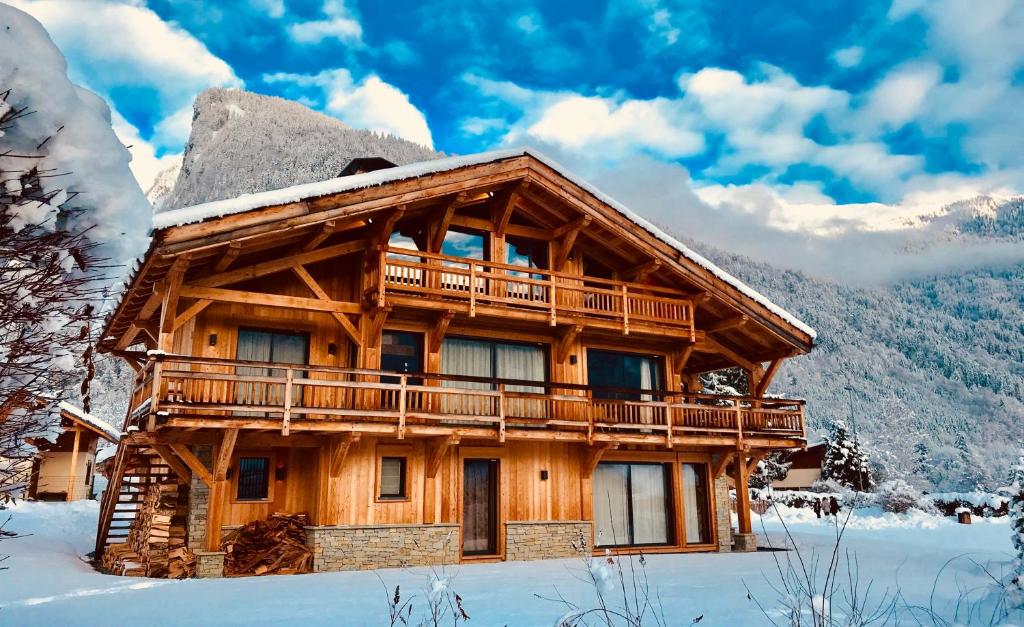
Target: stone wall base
pixel 723 514
pixel 382 546
pixel 744 542
pixel 544 539
pixel 209 564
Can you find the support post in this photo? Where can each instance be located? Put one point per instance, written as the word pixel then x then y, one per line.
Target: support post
pixel 742 479
pixel 72 475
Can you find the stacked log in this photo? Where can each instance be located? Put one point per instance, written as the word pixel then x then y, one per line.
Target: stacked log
pixel 276 545
pixel 155 546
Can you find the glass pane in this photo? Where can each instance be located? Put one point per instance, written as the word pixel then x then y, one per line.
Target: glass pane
pixel 521 362
pixel 696 504
pixel 466 245
pixel 253 479
pixel 469 358
pixel 611 505
pixel 623 370
pixel 650 504
pixel 392 477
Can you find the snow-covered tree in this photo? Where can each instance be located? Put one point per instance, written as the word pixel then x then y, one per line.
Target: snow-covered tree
pixel 71 214
pixel 1017 530
pixel 845 460
pixel 771 468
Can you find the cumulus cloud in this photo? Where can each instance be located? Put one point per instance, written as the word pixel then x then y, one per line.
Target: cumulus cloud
pixel 145 164
pixel 848 57
pixel 370 103
pixel 117 46
pixel 900 96
pixel 338 24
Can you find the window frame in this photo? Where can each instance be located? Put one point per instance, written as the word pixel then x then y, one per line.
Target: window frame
pixel 670 506
pixel 393 452
pixel 236 462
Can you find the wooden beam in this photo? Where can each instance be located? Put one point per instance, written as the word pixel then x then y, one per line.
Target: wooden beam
pixel 504 206
pixel 640 272
pixel 340 445
pixel 721 464
pixel 72 472
pixel 180 468
pixel 742 480
pixel 321 294
pixel 326 230
pixel 439 329
pixel 727 323
pixel 591 456
pixel 752 464
pixel 766 378
pixel 565 239
pixel 169 308
pixel 565 342
pixel 382 227
pixel 229 256
pixel 681 358
pixel 268 300
pixel 377 318
pixel 280 265
pixel 436 449
pixel 197 467
pixel 224 452
pixel 192 311
pixel 710 345
pixel 439 228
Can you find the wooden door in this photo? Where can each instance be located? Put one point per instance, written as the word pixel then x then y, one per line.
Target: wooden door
pixel 480 507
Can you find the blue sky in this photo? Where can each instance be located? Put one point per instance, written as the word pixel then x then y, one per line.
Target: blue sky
pixel 809 117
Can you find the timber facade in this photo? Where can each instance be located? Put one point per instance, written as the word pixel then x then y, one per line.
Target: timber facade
pixel 482 359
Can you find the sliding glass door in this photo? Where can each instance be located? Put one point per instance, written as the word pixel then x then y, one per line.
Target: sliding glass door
pixel 620 376
pixel 493 360
pixel 696 504
pixel 632 504
pixel 276 347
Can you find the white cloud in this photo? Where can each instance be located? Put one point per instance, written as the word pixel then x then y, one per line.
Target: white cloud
pixel 145 165
pixel 370 103
pixel 899 97
pixel 481 126
pixel 273 8
pixel 339 24
pixel 848 57
pixel 577 122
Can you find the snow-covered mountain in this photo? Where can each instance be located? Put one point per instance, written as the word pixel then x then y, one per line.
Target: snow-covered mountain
pixel 937 361
pixel 163 184
pixel 243 143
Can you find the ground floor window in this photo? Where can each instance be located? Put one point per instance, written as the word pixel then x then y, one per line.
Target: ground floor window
pixel 253 478
pixel 632 504
pixel 696 503
pixel 392 478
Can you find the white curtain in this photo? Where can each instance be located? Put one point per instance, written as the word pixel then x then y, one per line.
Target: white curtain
pixel 468 358
pixel 252 346
pixel 695 504
pixel 518 361
pixel 611 504
pixel 650 504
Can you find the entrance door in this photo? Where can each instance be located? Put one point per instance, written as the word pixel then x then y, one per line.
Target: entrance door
pixel 480 507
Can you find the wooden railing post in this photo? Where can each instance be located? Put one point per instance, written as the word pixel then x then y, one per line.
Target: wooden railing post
pixel 739 422
pixel 286 420
pixel 554 302
pixel 668 424
pixel 382 275
pixel 472 289
pixel 401 407
pixel 501 412
pixel 625 309
pixel 154 401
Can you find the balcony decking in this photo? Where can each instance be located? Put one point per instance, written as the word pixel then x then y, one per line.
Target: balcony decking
pixel 193 392
pixel 418 279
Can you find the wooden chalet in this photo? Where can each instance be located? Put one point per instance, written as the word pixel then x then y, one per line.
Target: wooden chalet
pixel 480 357
pixel 65 466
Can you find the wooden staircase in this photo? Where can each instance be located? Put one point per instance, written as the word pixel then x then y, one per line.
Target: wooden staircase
pixel 135 469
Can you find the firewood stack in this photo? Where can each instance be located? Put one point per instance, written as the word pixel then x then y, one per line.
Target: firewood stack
pixel 155 546
pixel 276 545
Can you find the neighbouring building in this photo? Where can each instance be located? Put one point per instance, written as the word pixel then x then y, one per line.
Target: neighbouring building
pixel 804 469
pixel 473 358
pixel 65 467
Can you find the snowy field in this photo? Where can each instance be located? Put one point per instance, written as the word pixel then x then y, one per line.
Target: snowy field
pixel 48 583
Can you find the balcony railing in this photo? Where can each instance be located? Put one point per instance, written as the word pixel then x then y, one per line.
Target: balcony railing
pixel 554 296
pixel 196 392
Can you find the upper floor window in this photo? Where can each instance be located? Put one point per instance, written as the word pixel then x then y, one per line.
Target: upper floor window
pixel 525 252
pixel 465 244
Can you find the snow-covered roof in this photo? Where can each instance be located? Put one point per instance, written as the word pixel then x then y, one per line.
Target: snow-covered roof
pixel 296 193
pixel 100 426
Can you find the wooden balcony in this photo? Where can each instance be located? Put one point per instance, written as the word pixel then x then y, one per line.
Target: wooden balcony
pixel 418 279
pixel 193 392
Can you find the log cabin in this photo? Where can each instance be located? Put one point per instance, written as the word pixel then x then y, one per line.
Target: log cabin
pixel 65 466
pixel 472 358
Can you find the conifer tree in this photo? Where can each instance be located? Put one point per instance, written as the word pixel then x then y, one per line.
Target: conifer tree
pixel 845 460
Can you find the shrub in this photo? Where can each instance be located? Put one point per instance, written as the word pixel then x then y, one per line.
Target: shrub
pixel 898 496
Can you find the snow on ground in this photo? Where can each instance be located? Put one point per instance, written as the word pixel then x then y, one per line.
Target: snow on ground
pixel 48 583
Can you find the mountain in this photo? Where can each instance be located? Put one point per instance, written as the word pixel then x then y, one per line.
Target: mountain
pixel 163 184
pixel 242 143
pixel 935 364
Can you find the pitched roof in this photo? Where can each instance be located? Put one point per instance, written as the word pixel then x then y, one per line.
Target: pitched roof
pixel 100 427
pixel 296 193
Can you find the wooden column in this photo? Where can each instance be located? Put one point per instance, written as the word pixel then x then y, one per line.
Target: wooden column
pixel 72 475
pixel 742 478
pixel 220 489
